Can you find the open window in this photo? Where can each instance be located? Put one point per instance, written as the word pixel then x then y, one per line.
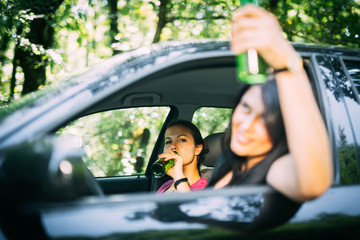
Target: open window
pixel 211 120
pixel 118 142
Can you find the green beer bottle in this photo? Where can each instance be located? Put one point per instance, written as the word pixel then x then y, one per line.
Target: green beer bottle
pixel 160 166
pixel 251 68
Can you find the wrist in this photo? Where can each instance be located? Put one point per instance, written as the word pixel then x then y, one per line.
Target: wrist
pixel 292 63
pixel 178 173
pixel 179 181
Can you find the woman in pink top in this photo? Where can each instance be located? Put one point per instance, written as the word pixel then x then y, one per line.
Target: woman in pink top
pixel 184 138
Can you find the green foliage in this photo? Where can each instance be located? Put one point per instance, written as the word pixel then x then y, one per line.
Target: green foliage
pixel 199 19
pixel 10 20
pixel 118 142
pixel 83 36
pixel 212 120
pixel 349 167
pixel 39 6
pixel 20 35
pixel 328 22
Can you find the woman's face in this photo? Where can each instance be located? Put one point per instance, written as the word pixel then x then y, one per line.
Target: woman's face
pixel 180 139
pixel 249 136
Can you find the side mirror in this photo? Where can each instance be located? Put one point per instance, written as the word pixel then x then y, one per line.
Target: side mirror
pixel 47 169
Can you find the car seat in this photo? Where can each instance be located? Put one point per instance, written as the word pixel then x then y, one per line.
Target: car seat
pixel 213 142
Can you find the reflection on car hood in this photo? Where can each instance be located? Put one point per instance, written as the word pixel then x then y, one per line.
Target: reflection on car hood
pixel 222 209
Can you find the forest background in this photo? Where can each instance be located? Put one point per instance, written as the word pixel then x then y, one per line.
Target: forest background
pixel 45 41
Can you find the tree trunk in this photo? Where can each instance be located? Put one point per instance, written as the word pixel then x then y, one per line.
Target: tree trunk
pixel 113 10
pixel 34 71
pixel 34 64
pixel 4 43
pixel 162 20
pixel 13 74
pixel 41 34
pixel 273 4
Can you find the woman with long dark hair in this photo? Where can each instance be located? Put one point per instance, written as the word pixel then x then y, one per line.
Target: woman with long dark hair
pixel 276 135
pixel 263 151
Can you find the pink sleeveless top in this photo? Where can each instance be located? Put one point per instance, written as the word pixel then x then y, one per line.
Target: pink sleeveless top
pixel 198 185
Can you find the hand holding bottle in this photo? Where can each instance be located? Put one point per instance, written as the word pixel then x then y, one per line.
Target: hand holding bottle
pixel 161 166
pixel 176 171
pixel 255 28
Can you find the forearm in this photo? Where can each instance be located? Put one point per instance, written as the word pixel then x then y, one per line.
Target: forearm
pixel 179 174
pixel 307 137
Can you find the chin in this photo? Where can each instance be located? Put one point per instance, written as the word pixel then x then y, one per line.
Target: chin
pixel 239 150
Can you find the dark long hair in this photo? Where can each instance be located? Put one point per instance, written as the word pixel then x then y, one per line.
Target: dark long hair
pixel 195 132
pixel 229 161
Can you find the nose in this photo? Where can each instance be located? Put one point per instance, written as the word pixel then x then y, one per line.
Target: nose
pixel 174 147
pixel 247 122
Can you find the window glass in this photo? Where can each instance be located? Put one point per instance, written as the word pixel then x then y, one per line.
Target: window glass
pixel 349 149
pixel 344 110
pixel 119 142
pixel 353 69
pixel 212 120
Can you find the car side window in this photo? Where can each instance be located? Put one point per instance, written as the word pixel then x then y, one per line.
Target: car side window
pixel 212 120
pixel 353 69
pixel 349 150
pixel 118 142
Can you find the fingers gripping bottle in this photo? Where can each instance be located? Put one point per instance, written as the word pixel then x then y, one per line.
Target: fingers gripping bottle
pixel 251 68
pixel 160 166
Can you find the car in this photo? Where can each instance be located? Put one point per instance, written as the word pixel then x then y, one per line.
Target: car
pixel 76 156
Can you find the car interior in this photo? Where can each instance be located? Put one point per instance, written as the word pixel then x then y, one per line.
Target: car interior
pixel 183 88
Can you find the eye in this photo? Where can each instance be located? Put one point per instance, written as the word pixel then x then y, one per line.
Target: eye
pixel 167 142
pixel 182 140
pixel 245 107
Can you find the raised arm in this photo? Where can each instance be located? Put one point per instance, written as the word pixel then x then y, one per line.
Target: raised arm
pixel 306 172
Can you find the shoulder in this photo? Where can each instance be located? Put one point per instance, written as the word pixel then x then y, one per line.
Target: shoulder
pixel 282 163
pixel 280 168
pixel 200 184
pixel 283 176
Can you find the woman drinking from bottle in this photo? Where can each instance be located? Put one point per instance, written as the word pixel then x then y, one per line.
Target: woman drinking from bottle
pixel 183 144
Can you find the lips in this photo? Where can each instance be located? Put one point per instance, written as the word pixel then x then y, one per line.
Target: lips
pixel 242 139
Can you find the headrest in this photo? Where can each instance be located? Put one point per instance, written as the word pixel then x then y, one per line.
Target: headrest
pixel 213 142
